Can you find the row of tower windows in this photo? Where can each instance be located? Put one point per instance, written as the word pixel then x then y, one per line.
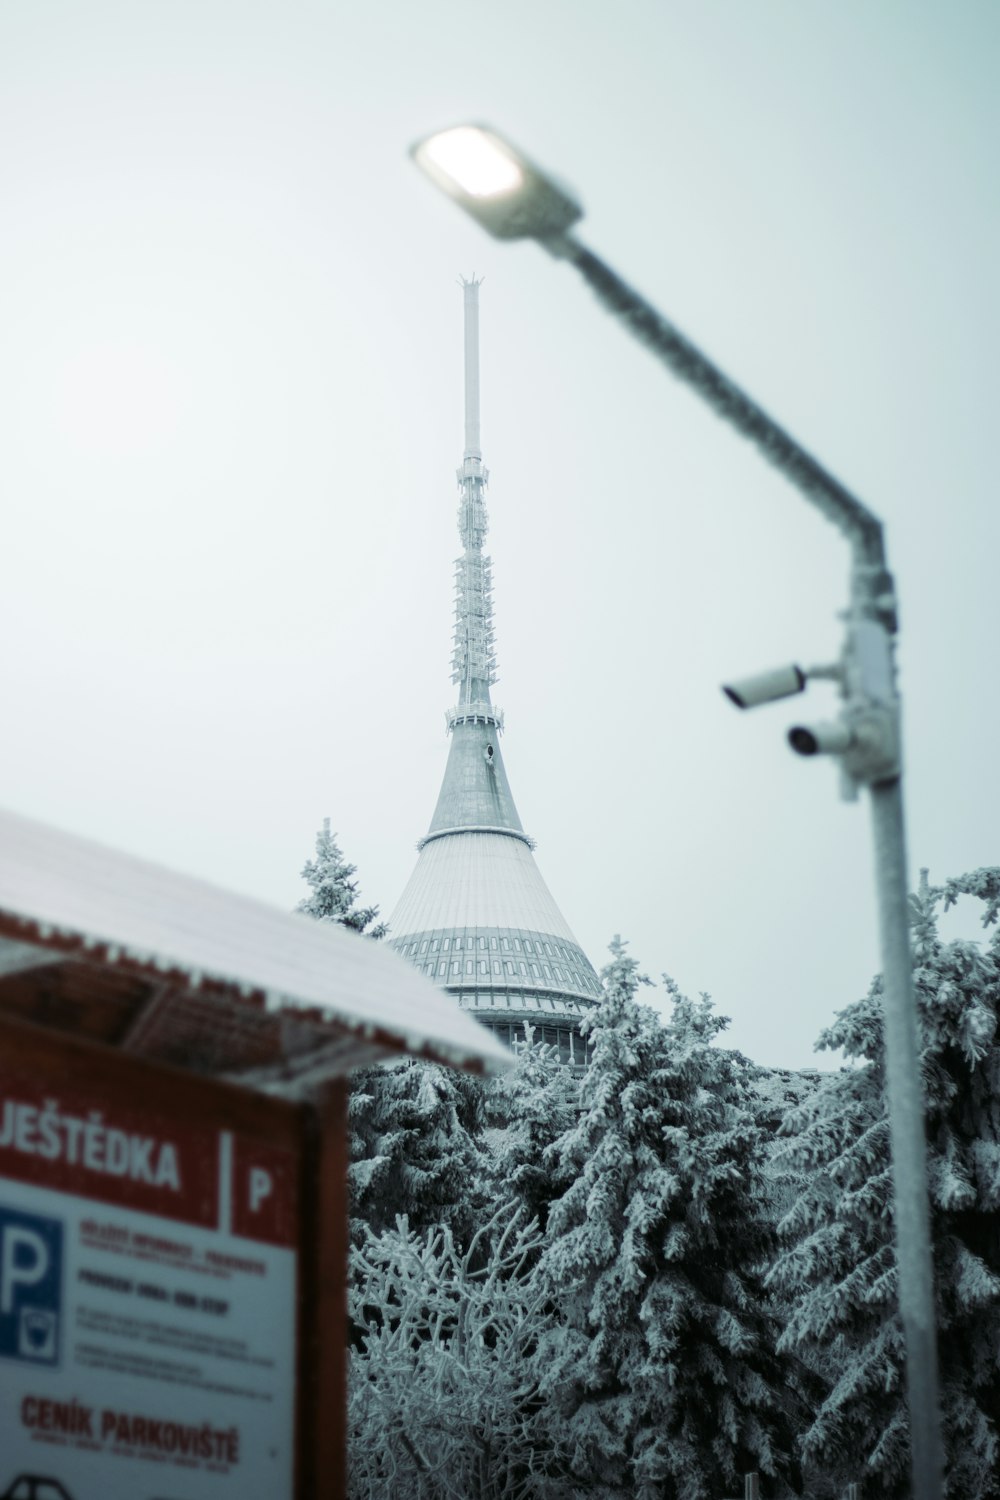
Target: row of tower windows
pixel 469 955
pixel 444 968
pixel 503 945
pixel 572 1048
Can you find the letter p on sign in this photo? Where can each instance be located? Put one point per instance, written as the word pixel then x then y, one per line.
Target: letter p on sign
pixel 265 1200
pixel 31 1253
pixel 24 1261
pixel 261 1188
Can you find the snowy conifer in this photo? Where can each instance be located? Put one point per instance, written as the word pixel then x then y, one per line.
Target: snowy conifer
pixel 333 893
pixel 529 1107
pixel 412 1124
pixel 839 1270
pixel 414 1148
pixel 773 1093
pixel 668 1374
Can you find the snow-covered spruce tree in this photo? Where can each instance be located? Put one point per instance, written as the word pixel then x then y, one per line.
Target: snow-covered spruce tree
pixel 447 1365
pixel 838 1272
pixel 411 1123
pixel 773 1093
pixel 528 1107
pixel 415 1148
pixel 333 893
pixel 667 1375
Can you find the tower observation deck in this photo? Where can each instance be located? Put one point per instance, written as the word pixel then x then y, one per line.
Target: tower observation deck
pixel 476 914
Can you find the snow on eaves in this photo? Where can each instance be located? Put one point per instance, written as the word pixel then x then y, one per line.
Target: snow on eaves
pixel 62 888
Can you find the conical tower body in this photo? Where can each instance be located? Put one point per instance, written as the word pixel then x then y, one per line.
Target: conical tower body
pixel 476 914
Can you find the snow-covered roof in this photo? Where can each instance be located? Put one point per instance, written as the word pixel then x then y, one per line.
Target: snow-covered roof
pixel 169 966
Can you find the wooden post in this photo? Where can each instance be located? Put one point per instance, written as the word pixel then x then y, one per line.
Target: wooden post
pixel 751 1487
pixel 854 1492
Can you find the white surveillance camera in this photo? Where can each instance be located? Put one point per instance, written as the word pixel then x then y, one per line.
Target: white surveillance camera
pixel 831 738
pixel 766 687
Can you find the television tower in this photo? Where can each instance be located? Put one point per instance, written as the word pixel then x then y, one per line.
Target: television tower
pixel 476 914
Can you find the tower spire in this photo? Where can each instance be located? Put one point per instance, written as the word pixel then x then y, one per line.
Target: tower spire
pixel 475 792
pixel 476 912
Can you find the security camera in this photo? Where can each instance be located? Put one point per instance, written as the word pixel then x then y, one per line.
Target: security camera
pixel 766 687
pixel 831 738
pixel 868 743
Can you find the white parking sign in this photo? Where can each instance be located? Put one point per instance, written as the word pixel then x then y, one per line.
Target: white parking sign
pixel 30 1285
pixel 147 1303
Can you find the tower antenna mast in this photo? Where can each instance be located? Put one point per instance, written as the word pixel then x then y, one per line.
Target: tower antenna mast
pixel 472 439
pixel 473 661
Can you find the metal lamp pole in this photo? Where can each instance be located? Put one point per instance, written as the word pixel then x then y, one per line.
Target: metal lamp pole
pixel 514 199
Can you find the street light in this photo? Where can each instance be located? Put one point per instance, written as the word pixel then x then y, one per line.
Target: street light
pixel 513 198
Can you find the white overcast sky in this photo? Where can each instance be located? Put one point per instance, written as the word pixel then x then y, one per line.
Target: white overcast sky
pixel 230 376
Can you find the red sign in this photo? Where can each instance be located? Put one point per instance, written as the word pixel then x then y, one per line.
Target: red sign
pixel 194 1175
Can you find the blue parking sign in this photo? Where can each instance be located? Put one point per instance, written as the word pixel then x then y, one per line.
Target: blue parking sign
pixel 31 1252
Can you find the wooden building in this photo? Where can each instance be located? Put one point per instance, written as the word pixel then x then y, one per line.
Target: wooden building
pixel 173 1154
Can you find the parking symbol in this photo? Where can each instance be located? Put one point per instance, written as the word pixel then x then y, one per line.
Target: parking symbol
pixel 30 1286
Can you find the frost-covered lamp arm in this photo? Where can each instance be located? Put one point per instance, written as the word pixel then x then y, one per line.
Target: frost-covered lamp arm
pixel 685 360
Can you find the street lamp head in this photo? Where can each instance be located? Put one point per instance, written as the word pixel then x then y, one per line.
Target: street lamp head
pixel 494 182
